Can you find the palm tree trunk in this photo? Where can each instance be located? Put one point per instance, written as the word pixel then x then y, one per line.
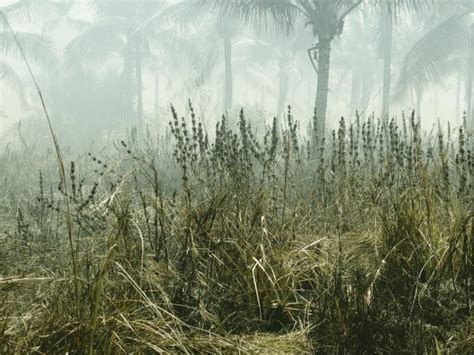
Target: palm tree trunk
pixel 358 67
pixel 355 90
pixel 128 80
pixel 367 88
pixel 156 98
pixel 283 86
pixel 324 62
pixel 419 96
pixel 458 97
pixel 469 82
pixel 228 91
pixel 387 62
pixel 309 96
pixel 139 88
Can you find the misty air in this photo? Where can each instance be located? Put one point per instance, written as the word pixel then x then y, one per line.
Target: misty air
pixel 236 176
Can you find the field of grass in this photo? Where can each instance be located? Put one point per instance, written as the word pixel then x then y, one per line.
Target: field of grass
pixel 362 242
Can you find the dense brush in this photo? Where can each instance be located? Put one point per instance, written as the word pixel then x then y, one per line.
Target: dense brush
pixel 361 242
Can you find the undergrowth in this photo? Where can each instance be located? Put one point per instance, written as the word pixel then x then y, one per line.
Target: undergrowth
pixel 192 242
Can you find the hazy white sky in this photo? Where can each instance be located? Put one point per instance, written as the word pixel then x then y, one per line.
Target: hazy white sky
pixel 438 102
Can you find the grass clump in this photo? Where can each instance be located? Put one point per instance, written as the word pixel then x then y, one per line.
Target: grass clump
pixel 200 242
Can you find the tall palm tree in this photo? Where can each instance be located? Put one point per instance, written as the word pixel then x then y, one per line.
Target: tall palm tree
pixel 446 48
pixel 135 33
pixel 390 11
pixel 358 56
pixel 216 35
pixel 285 54
pixel 325 17
pixel 37 47
pixel 227 31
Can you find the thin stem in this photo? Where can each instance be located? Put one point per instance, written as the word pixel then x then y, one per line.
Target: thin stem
pixel 62 172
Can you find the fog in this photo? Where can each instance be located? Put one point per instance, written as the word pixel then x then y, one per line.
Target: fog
pixel 236 176
pixel 104 67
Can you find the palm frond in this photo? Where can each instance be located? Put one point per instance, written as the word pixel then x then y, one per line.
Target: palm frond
pixel 10 78
pixel 400 7
pixel 98 42
pixel 37 47
pixel 430 58
pixel 33 10
pixel 279 16
pixel 184 16
pixel 168 41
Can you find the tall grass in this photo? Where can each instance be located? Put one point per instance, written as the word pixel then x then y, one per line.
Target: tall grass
pixel 192 242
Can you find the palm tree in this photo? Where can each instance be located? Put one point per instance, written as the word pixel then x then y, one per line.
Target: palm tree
pixel 37 47
pixel 325 17
pixel 285 54
pixel 446 48
pixel 387 33
pixel 227 30
pixel 134 32
pixel 215 34
pixel 390 13
pixel 92 105
pixel 358 56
